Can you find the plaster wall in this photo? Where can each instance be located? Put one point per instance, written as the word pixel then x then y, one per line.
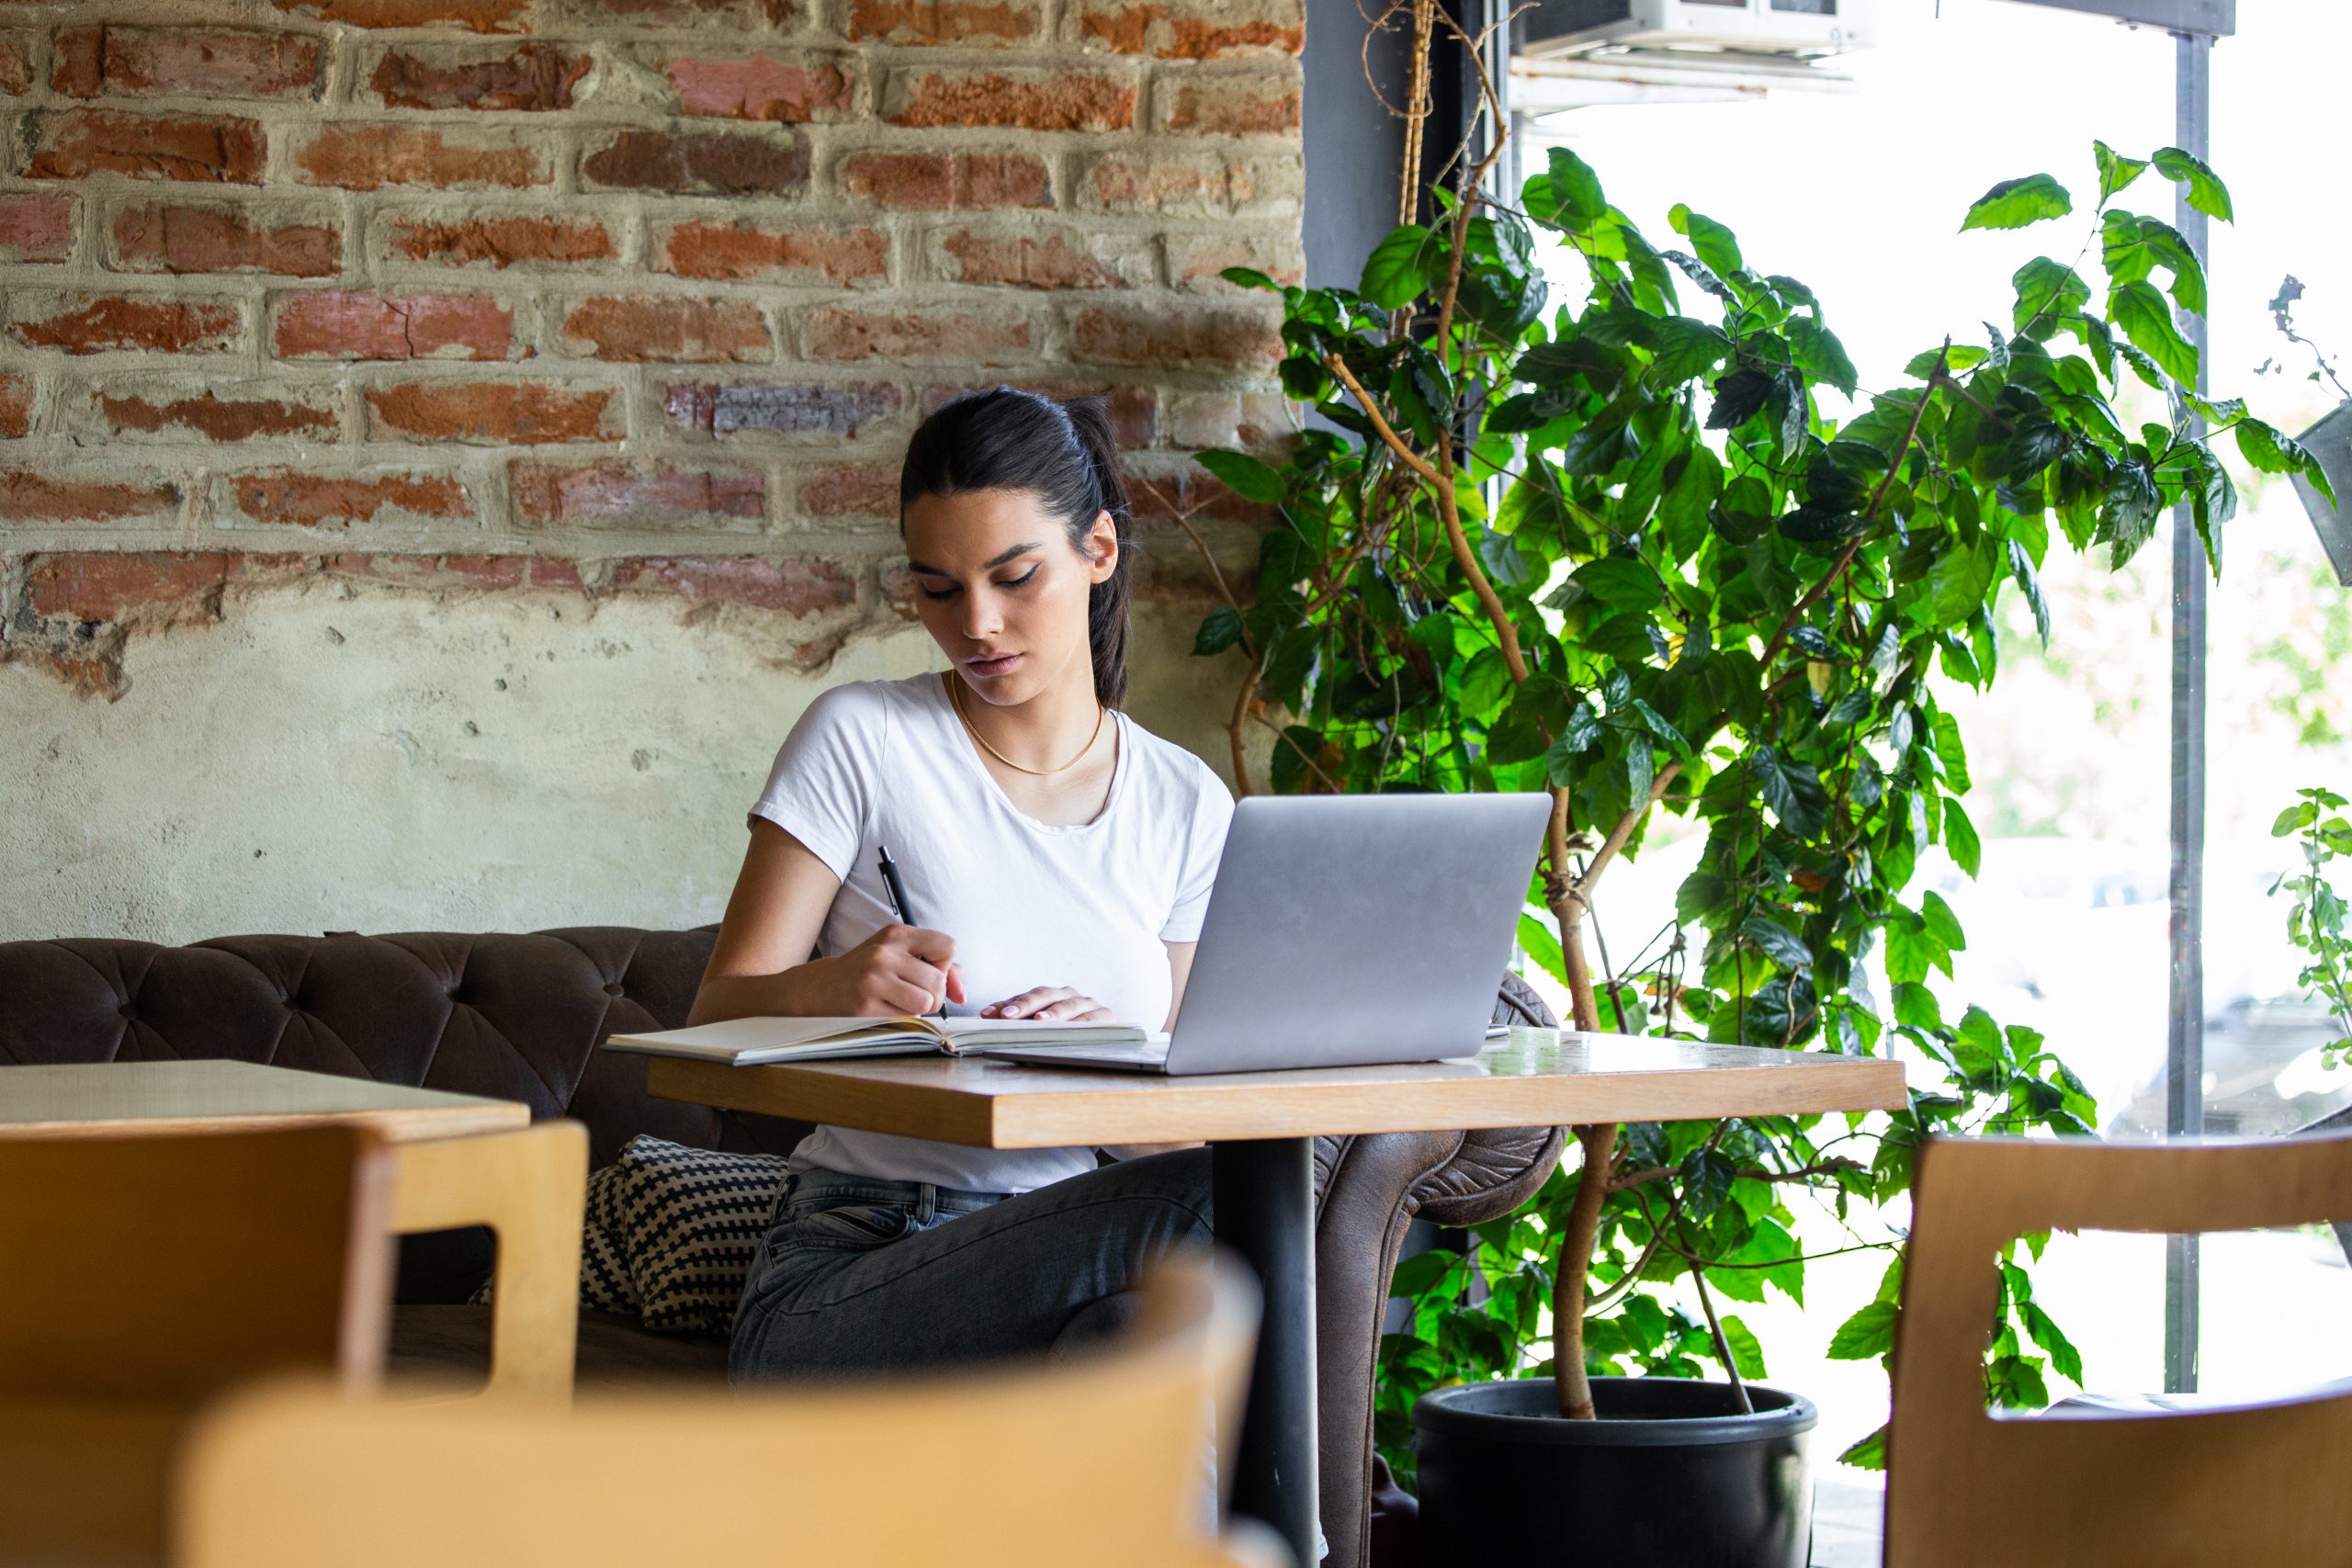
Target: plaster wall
pixel 367 757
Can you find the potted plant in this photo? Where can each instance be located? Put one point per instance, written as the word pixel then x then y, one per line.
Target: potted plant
pixel 1618 551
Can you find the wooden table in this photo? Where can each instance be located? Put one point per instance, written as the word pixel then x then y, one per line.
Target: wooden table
pixel 530 1190
pixel 1262 1127
pixel 94 1099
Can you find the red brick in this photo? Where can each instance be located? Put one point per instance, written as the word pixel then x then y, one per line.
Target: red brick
pixel 842 335
pixel 935 181
pixel 103 585
pixel 1166 339
pixel 522 414
pixel 680 331
pixel 29 497
pixel 35 227
pixel 117 61
pixel 299 499
pixel 159 237
pixel 713 163
pixel 475 16
pixel 368 157
pixel 1198 261
pixel 247 413
pixel 798 586
pixel 83 324
pixel 532 76
pixel 76 143
pixel 501 242
pixel 811 255
pixel 1025 100
pixel 1231 106
pixel 1195 186
pixel 785 410
pixel 1043 261
pixel 335 324
pixel 844 490
pixel 966 22
pixel 1186 30
pixel 621 492
pixel 16 65
pixel 1133 410
pixel 16 403
pixel 762 87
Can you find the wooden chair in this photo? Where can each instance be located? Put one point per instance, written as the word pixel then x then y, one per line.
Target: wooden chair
pixel 1094 1460
pixel 530 1187
pixel 2254 1483
pixel 140 1275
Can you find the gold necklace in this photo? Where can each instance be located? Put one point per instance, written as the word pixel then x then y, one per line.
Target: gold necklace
pixel 955 700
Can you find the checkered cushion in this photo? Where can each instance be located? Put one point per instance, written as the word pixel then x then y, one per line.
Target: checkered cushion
pixel 671 1232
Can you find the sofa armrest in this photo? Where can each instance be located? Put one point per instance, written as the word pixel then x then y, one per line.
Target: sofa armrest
pixel 1368 1190
pixel 529 1187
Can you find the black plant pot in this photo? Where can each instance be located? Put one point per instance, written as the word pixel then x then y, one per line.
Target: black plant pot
pixel 1671 1476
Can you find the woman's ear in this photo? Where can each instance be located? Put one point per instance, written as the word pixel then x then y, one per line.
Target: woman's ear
pixel 1102 549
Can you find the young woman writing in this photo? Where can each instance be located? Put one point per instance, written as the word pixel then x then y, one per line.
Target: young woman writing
pixel 1060 857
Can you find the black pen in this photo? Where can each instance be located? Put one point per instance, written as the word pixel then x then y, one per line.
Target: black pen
pixel 898 891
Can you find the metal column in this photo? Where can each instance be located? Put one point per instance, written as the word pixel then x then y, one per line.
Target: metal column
pixel 2185 1058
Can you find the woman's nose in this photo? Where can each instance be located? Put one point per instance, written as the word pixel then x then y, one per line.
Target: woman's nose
pixel 982 617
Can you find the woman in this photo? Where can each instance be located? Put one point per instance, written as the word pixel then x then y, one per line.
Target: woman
pixel 1057 858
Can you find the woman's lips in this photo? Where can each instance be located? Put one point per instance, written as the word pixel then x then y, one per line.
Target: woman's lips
pixel 1000 665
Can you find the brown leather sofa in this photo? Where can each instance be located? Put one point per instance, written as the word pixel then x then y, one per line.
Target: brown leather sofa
pixel 520 1016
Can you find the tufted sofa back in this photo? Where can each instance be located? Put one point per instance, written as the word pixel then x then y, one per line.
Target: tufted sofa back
pixel 512 1015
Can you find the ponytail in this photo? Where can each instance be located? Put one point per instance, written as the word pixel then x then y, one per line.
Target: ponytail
pixel 1067 455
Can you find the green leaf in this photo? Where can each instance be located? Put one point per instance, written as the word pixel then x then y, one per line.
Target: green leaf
pixel 1793 791
pixel 1575 188
pixel 1867 1334
pixel 1249 277
pixel 1542 947
pixel 1397 270
pixel 1219 632
pixel 2047 293
pixel 2013 204
pixel 2269 451
pixel 2115 171
pixel 2146 320
pixel 1243 475
pixel 1958 585
pixel 1747 1352
pixel 1960 837
pixel 1870 1453
pixel 1820 355
pixel 1715 244
pixel 2207 194
pixel 1782 946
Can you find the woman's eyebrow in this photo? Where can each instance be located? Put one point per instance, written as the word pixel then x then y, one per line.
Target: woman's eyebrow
pixel 989 565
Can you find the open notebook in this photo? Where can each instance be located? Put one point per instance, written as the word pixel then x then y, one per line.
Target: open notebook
pixel 749 1042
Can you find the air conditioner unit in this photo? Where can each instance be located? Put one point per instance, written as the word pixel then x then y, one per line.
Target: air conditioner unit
pixel 1783 27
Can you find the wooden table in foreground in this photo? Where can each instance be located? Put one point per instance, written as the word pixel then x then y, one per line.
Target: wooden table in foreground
pixel 95 1100
pixel 1263 1126
pixel 529 1190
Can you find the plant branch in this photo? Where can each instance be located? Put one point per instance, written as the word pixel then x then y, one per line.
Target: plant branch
pixel 1569 1380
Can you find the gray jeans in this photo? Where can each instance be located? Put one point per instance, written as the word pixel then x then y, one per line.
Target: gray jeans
pixel 863 1275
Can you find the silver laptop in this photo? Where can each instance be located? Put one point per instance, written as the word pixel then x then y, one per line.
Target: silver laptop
pixel 1345 931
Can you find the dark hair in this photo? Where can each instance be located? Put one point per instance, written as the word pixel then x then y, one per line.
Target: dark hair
pixel 1062 453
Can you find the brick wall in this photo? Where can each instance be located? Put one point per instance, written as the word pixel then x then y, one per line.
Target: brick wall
pixel 599 296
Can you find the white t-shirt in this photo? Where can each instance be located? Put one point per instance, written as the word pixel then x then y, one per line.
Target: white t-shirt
pixel 1087 905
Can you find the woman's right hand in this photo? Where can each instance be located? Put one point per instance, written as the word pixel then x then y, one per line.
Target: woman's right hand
pixel 899 970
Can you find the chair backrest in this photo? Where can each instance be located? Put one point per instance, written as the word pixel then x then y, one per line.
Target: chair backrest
pixel 2261 1483
pixel 1095 1460
pixel 164 1269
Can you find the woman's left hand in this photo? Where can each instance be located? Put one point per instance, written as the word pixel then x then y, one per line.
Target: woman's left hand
pixel 1050 1004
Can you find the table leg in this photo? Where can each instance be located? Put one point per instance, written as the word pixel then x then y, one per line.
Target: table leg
pixel 1265 1211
